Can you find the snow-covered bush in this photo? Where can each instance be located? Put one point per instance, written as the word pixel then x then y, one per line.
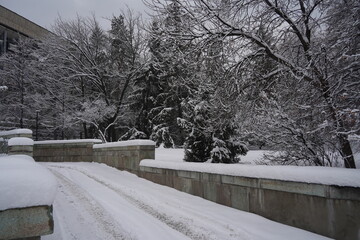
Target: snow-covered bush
pixel 161 135
pixel 197 146
pixel 210 136
pixel 132 134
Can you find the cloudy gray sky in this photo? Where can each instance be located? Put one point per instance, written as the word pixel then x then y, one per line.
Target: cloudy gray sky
pixel 44 12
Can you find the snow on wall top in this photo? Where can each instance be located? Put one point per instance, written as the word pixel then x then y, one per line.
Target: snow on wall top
pixel 68 141
pixel 22 141
pixel 25 183
pixel 318 175
pixel 354 137
pixel 16 131
pixel 126 143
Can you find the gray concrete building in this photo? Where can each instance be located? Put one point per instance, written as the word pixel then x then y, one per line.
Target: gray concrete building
pixel 12 26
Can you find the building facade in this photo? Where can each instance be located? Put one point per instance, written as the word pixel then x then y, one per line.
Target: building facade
pixel 12 26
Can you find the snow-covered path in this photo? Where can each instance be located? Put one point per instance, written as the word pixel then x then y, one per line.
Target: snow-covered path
pixel 95 201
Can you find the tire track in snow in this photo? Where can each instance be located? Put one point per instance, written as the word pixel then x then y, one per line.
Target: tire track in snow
pixel 103 220
pixel 201 233
pixel 182 226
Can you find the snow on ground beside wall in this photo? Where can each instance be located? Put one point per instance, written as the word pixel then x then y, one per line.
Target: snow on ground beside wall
pixel 25 183
pixel 96 201
pixel 254 156
pixel 20 141
pixel 177 155
pixel 16 131
pixel 169 154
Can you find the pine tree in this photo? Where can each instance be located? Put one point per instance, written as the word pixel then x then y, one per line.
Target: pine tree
pixel 169 68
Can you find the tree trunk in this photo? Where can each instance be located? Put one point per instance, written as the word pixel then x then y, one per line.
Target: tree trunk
pixel 111 134
pixel 345 147
pixel 85 130
pixel 346 151
pixel 22 101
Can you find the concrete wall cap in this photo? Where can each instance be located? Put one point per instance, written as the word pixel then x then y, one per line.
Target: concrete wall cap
pixel 137 142
pixel 16 131
pixel 67 141
pixel 309 174
pixel 20 141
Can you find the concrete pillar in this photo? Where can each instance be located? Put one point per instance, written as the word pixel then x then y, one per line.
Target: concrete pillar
pixel 21 145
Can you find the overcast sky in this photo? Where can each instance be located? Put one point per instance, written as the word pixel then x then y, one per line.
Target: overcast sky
pixel 44 12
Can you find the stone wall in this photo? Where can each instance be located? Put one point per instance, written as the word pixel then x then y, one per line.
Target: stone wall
pixel 26 223
pixel 6 135
pixel 64 150
pixel 124 157
pixel 21 149
pixel 331 211
pixel 121 155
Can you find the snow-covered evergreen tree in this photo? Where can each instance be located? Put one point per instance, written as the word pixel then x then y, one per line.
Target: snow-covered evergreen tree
pixel 170 67
pixel 142 100
pixel 211 134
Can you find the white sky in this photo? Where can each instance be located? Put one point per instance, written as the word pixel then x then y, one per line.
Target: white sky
pixel 44 12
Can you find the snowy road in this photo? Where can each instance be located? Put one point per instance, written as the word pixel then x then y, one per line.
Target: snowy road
pixel 95 201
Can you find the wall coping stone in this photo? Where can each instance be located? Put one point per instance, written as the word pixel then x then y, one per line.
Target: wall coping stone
pixel 15 132
pixel 312 189
pixel 313 175
pixel 21 223
pixel 20 141
pixel 68 142
pixel 136 143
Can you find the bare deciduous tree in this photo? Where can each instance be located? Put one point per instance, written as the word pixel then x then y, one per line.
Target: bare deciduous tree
pixel 325 71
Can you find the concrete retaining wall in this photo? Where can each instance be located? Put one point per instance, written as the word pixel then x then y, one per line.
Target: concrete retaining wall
pixel 64 151
pixel 21 149
pixel 124 157
pixel 26 223
pixel 6 135
pixel 331 211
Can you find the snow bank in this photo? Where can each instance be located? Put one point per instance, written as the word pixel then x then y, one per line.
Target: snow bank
pixel 20 141
pixel 354 137
pixel 169 154
pixel 126 143
pixel 16 131
pixel 25 183
pixel 319 175
pixel 178 154
pixel 68 141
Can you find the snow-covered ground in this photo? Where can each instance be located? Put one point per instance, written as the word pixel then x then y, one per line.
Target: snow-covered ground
pixel 253 157
pixel 177 155
pixel 95 201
